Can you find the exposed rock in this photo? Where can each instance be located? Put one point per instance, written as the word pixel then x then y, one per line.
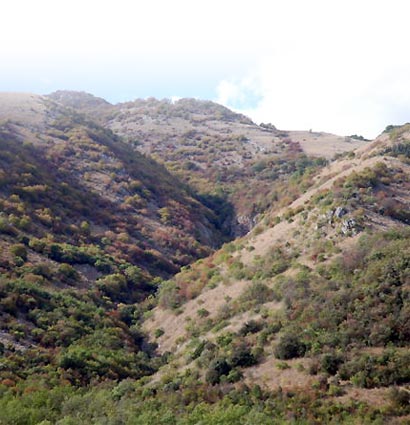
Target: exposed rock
pixel 268 126
pixel 350 226
pixel 243 224
pixel 340 212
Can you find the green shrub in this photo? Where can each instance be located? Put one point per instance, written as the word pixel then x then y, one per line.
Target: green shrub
pixel 369 371
pixel 19 250
pixel 234 375
pixel 250 327
pixel 67 271
pixel 217 368
pixel 242 356
pixel 202 312
pixel 331 362
pixel 289 347
pixel 256 293
pixel 158 332
pixel 168 295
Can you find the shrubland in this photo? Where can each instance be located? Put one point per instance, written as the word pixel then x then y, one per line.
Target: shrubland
pixel 106 318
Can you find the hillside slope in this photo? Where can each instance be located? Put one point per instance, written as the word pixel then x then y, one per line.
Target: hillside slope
pixel 315 300
pixel 222 154
pixel 304 320
pixel 142 201
pixel 87 228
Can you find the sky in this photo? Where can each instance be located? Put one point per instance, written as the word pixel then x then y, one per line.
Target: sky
pixel 326 65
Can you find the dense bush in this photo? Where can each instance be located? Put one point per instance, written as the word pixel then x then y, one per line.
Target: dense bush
pixel 289 347
pixel 250 327
pixel 218 367
pixel 368 371
pixel 19 250
pixel 330 362
pixel 242 356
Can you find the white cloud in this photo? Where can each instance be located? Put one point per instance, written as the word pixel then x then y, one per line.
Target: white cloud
pixel 345 71
pixel 241 93
pixel 339 66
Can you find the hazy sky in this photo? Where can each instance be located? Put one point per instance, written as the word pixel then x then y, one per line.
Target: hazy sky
pixel 337 66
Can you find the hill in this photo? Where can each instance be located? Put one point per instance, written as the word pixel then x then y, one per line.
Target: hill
pixel 70 152
pixel 314 303
pixel 303 320
pixel 226 157
pixel 87 227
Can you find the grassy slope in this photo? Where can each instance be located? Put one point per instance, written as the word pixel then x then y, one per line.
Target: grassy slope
pixel 303 303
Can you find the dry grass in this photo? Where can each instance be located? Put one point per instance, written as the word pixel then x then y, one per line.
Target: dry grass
pixel 324 144
pixel 174 325
pixel 373 396
pixel 269 375
pixel 283 231
pixel 22 107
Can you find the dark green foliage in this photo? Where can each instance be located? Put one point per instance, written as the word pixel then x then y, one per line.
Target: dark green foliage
pixel 217 368
pixel 369 371
pixel 235 375
pixel 360 299
pixel 202 312
pixel 389 128
pixel 399 149
pixel 289 347
pixel 330 363
pixel 250 327
pixel 242 356
pixel 318 305
pixel 158 332
pixel 357 137
pixel 129 403
pixel 198 350
pixel 86 338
